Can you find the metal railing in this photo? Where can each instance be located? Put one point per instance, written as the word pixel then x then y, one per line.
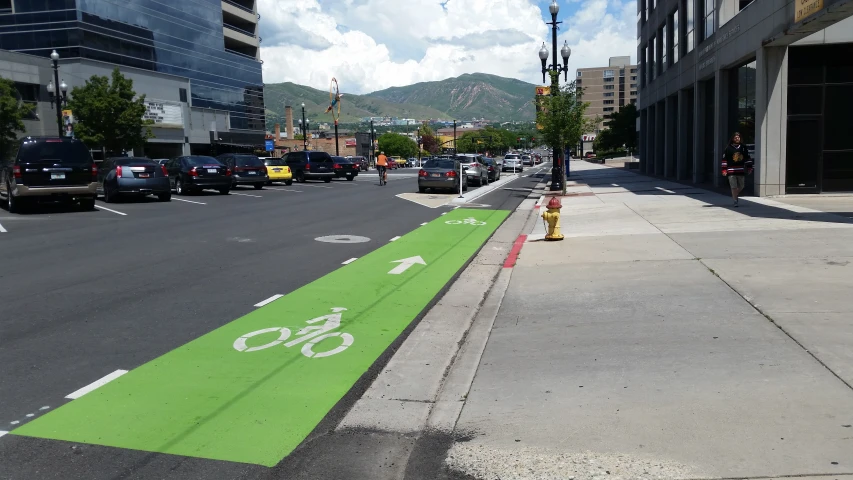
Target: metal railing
pixel 241 7
pixel 240 30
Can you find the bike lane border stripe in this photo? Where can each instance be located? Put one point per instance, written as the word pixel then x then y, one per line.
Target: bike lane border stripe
pixel 209 399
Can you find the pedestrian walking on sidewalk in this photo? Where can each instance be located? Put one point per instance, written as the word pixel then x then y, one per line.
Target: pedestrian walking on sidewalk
pixel 737 164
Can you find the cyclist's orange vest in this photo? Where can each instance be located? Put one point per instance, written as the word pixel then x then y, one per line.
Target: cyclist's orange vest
pixel 382 160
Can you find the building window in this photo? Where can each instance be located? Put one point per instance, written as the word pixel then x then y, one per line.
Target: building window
pixel 633 70
pixel 608 94
pixel 651 67
pixel 633 85
pixel 651 5
pixel 608 79
pixel 622 72
pixel 182 94
pixel 609 87
pixel 579 82
pixel 633 101
pixel 579 73
pixel 633 77
pixel 608 74
pixel 608 109
pixel 709 19
pixel 663 48
pixel 608 102
pixel 634 93
pixel 641 10
pixel 673 21
pixel 688 36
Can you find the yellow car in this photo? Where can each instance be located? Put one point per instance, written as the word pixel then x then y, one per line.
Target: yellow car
pixel 278 171
pixel 400 161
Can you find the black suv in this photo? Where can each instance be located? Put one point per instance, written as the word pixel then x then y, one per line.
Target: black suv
pixel 49 168
pixel 245 169
pixel 307 165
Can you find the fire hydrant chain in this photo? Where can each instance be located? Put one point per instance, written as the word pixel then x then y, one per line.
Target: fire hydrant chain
pixel 552 217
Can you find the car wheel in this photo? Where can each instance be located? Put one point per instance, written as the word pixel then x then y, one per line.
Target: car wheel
pixel 327 179
pixel 300 177
pixel 165 197
pixel 179 187
pixel 350 178
pixel 288 182
pixel 87 203
pixel 259 186
pixel 109 196
pixel 224 191
pixel 14 204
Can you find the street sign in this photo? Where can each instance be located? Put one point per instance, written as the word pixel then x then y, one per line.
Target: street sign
pixel 270 145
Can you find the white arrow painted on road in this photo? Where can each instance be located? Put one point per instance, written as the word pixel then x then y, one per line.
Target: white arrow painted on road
pixel 405 264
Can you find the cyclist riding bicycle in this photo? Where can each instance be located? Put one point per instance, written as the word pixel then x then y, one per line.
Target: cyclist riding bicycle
pixel 382 166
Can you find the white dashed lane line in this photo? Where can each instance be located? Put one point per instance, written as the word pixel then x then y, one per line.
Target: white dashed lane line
pixel 110 210
pixel 188 201
pixel 246 195
pixel 96 384
pixel 3 230
pixel 349 261
pixel 269 300
pixel 394 239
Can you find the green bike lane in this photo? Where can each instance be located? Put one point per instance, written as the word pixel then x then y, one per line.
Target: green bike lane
pixel 252 390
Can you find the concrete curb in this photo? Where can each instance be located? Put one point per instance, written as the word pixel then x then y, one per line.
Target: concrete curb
pixel 436 363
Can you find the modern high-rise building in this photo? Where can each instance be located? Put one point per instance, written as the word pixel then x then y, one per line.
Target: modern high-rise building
pixel 197 62
pixel 608 89
pixel 779 72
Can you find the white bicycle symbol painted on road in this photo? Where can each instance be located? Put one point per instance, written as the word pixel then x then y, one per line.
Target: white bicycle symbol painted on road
pixel 467 221
pixel 310 336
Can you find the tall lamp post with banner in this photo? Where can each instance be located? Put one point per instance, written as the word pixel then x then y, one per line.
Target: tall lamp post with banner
pixel 335 108
pixel 555 69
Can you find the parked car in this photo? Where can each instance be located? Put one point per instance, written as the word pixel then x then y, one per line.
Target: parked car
pixel 493 169
pixel 49 169
pixel 194 173
pixel 512 163
pixel 344 168
pixel 133 176
pixel 440 174
pixel 392 164
pixel 277 171
pixel 245 169
pixel 400 161
pixel 310 165
pixel 473 165
pixel 360 162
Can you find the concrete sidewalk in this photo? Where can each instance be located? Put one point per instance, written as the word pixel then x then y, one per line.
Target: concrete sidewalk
pixel 668 336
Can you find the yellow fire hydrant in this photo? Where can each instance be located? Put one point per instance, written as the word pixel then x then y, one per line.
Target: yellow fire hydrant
pixel 552 217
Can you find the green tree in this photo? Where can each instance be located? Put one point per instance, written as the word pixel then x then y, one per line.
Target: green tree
pixel 12 112
pixel 429 140
pixel 109 113
pixel 394 144
pixel 621 130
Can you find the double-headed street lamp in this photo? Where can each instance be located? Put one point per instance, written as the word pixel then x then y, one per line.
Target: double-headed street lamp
pixel 557 171
pixel 304 126
pixel 58 92
pixel 372 143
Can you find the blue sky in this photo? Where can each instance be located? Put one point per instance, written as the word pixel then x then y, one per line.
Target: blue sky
pixel 375 44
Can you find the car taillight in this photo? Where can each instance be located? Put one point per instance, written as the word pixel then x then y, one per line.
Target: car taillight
pixel 238 169
pixel 422 173
pixel 118 171
pixel 491 169
pixel 264 170
pixel 227 172
pixel 451 173
pixel 165 172
pixel 16 170
pixel 193 172
pixel 337 166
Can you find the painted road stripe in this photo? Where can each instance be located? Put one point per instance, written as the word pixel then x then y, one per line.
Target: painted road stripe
pixel 395 239
pixel 349 261
pixel 283 189
pixel 424 223
pixel 251 391
pixel 3 230
pixel 269 300
pixel 96 384
pixel 3 432
pixel 110 210
pixel 246 195
pixel 513 253
pixel 188 201
pixel 664 190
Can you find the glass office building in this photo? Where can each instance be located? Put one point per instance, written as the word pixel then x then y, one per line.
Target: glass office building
pixel 212 43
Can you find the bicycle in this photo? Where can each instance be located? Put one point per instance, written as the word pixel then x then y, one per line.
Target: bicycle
pixel 309 336
pixel 467 221
pixel 383 174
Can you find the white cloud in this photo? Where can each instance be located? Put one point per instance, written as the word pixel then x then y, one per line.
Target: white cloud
pixel 369 45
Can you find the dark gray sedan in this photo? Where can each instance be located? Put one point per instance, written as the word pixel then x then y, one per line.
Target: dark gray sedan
pixel 441 173
pixel 129 176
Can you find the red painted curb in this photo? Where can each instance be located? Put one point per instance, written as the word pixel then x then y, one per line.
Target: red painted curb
pixel 516 249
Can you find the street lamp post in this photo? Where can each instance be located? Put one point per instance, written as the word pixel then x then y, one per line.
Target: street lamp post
pixel 58 91
pixel 372 143
pixel 419 146
pixel 304 129
pixel 454 138
pixel 557 172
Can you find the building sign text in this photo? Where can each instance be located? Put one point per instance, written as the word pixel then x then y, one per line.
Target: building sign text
pixel 164 114
pixel 806 8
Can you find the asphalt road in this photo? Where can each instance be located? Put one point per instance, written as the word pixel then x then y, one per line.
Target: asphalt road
pixel 84 294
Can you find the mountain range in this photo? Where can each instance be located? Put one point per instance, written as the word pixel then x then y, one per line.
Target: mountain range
pixel 464 98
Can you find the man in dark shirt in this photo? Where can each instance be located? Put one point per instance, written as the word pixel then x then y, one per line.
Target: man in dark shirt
pixel 736 165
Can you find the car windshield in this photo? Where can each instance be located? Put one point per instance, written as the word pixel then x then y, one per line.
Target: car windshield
pixel 134 161
pixel 248 161
pixel 442 164
pixel 511 156
pixel 274 162
pixel 341 160
pixel 489 161
pixel 201 161
pixel 72 153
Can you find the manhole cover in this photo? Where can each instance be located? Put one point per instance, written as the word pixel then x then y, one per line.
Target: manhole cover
pixel 342 239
